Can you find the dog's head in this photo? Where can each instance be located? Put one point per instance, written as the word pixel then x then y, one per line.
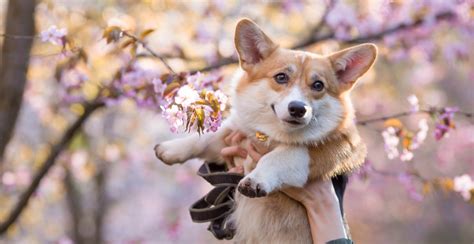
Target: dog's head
pixel 295 96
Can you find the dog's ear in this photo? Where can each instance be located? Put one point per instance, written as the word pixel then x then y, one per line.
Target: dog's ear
pixel 351 63
pixel 252 44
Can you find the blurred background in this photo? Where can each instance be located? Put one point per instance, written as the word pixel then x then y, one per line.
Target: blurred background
pixel 99 182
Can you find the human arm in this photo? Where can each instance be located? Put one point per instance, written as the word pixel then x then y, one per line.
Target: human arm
pixel 322 208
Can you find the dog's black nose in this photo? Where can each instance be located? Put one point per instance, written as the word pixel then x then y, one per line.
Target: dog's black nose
pixel 297 109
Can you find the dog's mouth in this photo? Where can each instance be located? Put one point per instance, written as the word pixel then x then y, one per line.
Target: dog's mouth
pixel 293 121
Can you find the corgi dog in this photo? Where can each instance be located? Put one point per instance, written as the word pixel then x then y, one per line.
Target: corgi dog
pixel 298 104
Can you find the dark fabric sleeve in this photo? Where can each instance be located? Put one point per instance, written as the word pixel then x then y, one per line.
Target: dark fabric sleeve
pixel 340 241
pixel 339 182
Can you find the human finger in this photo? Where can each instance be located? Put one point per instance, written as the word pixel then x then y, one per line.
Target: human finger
pixel 252 152
pixel 237 169
pixel 229 161
pixel 261 148
pixel 234 151
pixel 237 138
pixel 228 138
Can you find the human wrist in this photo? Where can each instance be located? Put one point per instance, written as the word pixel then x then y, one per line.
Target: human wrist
pixel 326 227
pixel 325 219
pixel 321 199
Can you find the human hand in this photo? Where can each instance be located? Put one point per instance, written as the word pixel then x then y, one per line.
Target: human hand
pixel 234 149
pixel 322 207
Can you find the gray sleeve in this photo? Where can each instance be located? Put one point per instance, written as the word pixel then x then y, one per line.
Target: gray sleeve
pixel 340 241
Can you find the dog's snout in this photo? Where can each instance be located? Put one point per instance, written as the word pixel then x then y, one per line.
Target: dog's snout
pixel 297 109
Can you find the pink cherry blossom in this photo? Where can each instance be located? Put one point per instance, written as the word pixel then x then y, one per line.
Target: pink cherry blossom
pixel 414 104
pixel 391 141
pixel 8 178
pixel 420 135
pixel 158 86
pixel 212 123
pixel 54 35
pixel 222 98
pixel 406 155
pixel 195 80
pixel 341 19
pixel 175 117
pixel 464 185
pixel 445 122
pixel 186 96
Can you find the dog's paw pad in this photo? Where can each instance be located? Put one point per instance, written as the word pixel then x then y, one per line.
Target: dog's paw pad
pixel 251 188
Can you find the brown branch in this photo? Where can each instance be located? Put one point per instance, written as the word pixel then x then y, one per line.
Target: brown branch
pixel 393 116
pixel 412 172
pixel 17 36
pixel 440 17
pixel 408 113
pixel 68 135
pixel 74 202
pixel 156 55
pixel 313 39
pixel 77 211
pixel 316 29
pixel 102 203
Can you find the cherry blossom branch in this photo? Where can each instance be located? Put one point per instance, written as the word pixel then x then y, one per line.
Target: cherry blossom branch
pixel 439 17
pixel 430 111
pixel 313 39
pixel 317 28
pixel 68 135
pixel 144 45
pixel 412 172
pixel 74 201
pixel 17 36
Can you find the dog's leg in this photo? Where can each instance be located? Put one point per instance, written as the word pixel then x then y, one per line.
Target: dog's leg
pixel 285 165
pixel 206 146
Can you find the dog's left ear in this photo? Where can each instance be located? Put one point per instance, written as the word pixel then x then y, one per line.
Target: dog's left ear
pixel 351 63
pixel 252 44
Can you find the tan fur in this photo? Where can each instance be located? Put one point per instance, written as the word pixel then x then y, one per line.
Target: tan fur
pixel 272 219
pixel 342 152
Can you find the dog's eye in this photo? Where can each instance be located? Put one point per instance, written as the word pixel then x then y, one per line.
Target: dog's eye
pixel 317 85
pixel 281 78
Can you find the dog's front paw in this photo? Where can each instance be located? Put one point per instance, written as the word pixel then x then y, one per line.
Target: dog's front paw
pixel 170 153
pixel 250 187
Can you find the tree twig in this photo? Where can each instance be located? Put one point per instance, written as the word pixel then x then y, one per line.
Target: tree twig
pixel 144 45
pixel 317 28
pixel 408 113
pixel 102 203
pixel 17 36
pixel 74 202
pixel 68 135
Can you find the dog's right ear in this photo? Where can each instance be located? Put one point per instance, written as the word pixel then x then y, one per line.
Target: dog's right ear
pixel 252 44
